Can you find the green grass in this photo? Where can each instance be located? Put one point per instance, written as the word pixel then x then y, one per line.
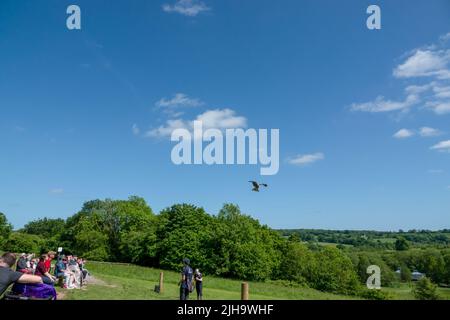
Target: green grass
pixel 332 244
pixel 129 282
pixel 403 292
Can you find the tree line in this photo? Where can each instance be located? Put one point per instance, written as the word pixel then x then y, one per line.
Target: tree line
pixel 229 244
pixel 372 239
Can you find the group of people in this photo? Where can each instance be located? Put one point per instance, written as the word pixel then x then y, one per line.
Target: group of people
pixel 70 271
pixel 189 280
pixel 8 276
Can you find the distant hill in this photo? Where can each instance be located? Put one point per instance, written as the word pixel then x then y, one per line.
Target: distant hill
pixel 370 238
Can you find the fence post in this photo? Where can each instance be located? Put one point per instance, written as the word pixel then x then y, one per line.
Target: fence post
pixel 161 282
pixel 244 291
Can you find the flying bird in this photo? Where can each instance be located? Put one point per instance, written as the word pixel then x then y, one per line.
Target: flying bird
pixel 257 185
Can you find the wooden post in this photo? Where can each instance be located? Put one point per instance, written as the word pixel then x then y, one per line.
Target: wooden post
pixel 161 282
pixel 244 291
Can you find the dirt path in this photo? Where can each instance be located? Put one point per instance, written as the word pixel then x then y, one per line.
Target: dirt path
pixel 97 282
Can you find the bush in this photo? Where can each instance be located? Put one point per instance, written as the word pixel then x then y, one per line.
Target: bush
pixel 23 243
pixel 401 244
pixel 5 228
pixel 334 272
pixel 375 294
pixel 425 290
pixel 297 263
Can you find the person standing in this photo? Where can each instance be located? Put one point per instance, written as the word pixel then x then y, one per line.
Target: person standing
pixel 186 280
pixel 198 284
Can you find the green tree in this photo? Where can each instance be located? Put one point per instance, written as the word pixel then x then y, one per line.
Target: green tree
pixel 5 228
pixel 23 243
pixel 45 227
pixel 294 237
pixel 298 263
pixel 247 250
pixel 49 229
pixel 405 273
pixel 401 244
pixel 425 290
pixel 446 257
pixel 184 231
pixel 366 259
pixel 113 230
pixel 334 272
pixel 90 241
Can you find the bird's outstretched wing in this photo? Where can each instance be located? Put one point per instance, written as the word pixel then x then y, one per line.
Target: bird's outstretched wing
pixel 255 184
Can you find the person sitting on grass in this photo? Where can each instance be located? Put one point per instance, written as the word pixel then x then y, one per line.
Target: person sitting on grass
pixel 43 272
pixel 8 276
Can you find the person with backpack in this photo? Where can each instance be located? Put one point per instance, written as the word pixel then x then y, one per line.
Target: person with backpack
pixel 186 285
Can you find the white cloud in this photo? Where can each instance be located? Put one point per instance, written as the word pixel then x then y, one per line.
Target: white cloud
pixel 218 119
pixel 443 146
pixel 441 92
pixel 431 62
pixel 135 129
pixel 424 63
pixel 167 129
pixel 382 105
pixel 189 8
pixel 302 160
pixel 222 119
pixel 179 100
pixel 439 107
pixel 445 37
pixel 435 171
pixel 429 132
pixel 403 134
pixel 418 89
pixel 57 191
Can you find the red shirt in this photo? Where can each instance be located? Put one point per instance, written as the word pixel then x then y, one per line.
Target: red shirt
pixel 48 264
pixel 41 269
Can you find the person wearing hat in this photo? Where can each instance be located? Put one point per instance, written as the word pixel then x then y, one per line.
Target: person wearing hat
pixel 22 264
pixel 186 280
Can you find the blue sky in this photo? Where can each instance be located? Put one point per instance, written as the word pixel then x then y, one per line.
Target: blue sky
pixel 363 115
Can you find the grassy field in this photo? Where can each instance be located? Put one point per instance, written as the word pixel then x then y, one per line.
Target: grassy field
pixel 129 282
pixel 122 282
pixel 403 292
